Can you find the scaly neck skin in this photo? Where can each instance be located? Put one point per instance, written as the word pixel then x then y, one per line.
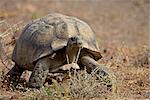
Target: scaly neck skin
pixel 72 52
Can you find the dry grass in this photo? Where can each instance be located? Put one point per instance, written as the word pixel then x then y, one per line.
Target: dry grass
pixel 82 86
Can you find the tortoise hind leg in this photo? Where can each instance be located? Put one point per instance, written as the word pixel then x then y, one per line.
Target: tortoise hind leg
pixel 39 73
pixel 101 71
pixel 13 75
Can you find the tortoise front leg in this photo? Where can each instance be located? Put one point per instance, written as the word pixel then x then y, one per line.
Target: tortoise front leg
pixel 91 64
pixel 101 71
pixel 39 73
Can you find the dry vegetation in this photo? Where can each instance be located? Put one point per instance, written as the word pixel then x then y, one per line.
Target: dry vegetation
pixel 122 30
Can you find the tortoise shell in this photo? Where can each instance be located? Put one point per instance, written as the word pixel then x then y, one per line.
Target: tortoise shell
pixel 46 35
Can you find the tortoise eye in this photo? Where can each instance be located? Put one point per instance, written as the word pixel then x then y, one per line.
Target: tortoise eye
pixel 73 39
pixel 46 26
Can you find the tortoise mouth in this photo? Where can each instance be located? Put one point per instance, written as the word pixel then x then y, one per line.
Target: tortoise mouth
pixel 76 45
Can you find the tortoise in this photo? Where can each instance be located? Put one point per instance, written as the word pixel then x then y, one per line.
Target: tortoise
pixel 53 42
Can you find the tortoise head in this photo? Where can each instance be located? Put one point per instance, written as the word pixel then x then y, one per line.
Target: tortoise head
pixel 76 41
pixel 74 46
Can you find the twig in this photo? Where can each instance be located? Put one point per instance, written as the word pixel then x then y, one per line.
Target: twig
pixel 78 54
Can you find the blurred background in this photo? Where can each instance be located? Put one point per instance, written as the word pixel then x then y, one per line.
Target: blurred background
pixel 115 22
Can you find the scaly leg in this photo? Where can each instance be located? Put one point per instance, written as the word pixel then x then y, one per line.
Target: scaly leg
pixel 39 73
pixel 106 75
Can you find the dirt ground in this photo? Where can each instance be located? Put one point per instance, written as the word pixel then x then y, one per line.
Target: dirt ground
pixel 122 30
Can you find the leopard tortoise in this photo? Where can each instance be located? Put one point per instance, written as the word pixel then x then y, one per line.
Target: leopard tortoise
pixel 51 43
